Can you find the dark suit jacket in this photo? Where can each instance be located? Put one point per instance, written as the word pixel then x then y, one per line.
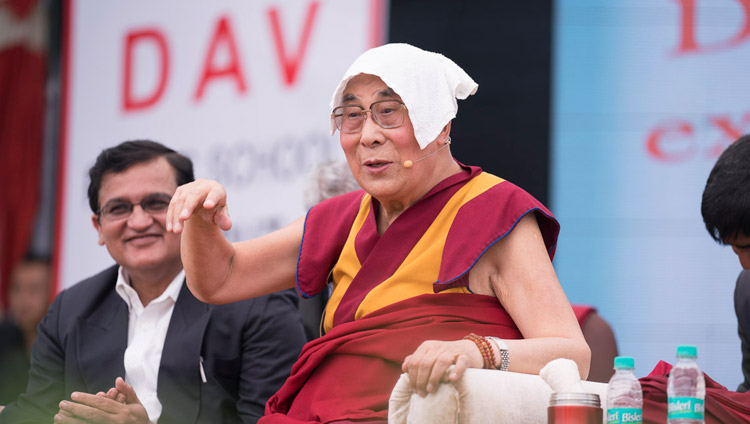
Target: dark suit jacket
pixel 247 347
pixel 742 309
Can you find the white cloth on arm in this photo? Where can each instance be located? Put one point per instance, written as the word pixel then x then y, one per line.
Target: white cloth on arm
pixel 562 376
pixel 428 83
pixel 147 330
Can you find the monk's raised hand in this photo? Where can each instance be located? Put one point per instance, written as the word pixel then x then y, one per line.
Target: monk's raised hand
pixel 203 198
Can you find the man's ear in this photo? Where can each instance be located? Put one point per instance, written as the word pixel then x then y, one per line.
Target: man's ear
pixel 445 133
pixel 98 226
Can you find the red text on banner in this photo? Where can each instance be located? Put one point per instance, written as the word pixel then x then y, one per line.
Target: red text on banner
pixel 689 43
pixel 675 141
pixel 290 64
pixel 232 69
pixel 144 38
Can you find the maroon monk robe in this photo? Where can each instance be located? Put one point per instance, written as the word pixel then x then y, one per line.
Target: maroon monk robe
pixel 348 374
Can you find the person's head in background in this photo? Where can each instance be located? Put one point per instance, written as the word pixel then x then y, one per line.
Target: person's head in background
pixel 726 199
pixel 29 295
pixel 327 180
pixel 130 187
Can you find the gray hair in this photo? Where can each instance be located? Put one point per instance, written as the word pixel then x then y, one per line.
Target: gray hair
pixel 327 180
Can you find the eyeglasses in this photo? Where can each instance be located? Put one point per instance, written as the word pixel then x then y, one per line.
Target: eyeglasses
pixel 152 204
pixel 349 119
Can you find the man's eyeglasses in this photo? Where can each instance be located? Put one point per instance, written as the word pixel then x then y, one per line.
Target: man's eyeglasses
pixel 349 119
pixel 153 204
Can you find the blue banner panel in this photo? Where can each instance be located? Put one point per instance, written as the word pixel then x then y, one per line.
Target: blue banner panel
pixel 646 95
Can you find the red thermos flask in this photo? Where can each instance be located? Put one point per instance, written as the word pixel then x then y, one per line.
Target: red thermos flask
pixel 574 408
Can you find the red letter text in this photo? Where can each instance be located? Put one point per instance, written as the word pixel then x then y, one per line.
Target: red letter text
pixel 223 35
pixel 290 65
pixel 689 22
pixel 668 142
pixel 156 39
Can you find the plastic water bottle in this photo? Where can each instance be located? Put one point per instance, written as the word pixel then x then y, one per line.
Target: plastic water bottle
pixel 624 395
pixel 686 389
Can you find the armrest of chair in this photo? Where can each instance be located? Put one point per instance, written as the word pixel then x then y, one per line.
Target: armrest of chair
pixel 480 396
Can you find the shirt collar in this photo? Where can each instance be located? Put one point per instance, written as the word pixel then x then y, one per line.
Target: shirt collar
pixel 130 296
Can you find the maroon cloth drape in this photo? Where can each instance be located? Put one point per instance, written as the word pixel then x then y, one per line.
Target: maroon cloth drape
pixel 22 84
pixel 348 374
pixel 722 406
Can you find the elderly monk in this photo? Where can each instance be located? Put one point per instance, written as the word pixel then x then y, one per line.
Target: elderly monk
pixel 433 264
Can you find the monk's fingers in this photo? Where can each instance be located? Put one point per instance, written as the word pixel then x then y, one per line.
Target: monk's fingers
pixel 175 206
pixel 412 368
pixel 216 196
pixel 423 371
pixel 405 364
pixel 429 364
pixel 181 204
pixel 201 196
pixel 222 219
pixel 419 365
pixel 455 373
pixel 188 203
pixel 440 366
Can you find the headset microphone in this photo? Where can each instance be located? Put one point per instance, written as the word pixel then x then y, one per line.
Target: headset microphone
pixel 409 164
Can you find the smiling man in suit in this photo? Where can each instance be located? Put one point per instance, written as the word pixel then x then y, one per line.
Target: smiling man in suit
pixel 184 361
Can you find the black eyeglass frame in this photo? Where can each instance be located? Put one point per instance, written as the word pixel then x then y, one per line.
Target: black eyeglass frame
pixel 105 211
pixel 338 123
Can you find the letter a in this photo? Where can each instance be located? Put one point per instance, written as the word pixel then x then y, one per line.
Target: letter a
pixel 222 36
pixel 290 65
pixel 155 37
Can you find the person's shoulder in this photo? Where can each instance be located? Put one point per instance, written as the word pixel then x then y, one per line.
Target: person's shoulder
pixel 89 288
pixel 744 278
pixel 742 290
pixel 108 275
pixel 742 299
pixel 498 184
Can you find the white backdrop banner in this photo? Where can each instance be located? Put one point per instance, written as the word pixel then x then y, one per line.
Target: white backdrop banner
pixel 647 94
pixel 241 87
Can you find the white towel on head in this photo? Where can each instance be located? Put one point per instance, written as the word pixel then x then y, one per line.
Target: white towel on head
pixel 428 83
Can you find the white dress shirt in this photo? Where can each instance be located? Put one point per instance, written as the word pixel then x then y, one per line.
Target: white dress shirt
pixel 147 330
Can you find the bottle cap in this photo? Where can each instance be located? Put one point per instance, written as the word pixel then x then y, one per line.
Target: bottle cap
pixel 687 350
pixel 624 362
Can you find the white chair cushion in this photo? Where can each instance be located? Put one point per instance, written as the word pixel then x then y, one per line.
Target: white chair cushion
pixel 480 396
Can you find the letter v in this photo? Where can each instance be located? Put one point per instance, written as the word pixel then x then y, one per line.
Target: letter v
pixel 290 65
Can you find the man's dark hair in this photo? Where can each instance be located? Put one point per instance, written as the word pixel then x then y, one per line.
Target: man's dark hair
pixel 121 157
pixel 726 199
